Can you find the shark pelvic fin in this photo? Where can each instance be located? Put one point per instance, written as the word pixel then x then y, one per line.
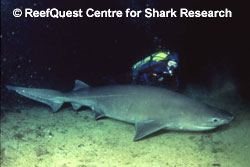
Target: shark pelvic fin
pixel 146 128
pixel 76 106
pixel 98 115
pixel 80 85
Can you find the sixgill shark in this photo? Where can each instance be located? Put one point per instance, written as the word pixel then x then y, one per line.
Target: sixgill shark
pixel 149 108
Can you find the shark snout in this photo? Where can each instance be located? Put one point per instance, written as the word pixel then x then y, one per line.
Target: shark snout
pixel 230 117
pixel 226 118
pixel 219 119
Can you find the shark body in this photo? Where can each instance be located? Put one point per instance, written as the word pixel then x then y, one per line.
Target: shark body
pixel 149 108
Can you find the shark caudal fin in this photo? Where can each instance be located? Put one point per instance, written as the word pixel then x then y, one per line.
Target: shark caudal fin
pixel 52 98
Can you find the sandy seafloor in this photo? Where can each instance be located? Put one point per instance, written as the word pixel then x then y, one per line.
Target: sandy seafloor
pixel 33 136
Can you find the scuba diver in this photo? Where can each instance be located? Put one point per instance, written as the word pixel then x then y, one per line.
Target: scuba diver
pixel 158 69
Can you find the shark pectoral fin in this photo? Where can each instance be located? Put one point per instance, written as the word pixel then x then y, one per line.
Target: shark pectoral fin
pixel 98 114
pixel 146 128
pixel 76 106
pixel 55 106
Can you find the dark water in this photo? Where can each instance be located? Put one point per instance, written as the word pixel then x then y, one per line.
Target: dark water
pixel 52 53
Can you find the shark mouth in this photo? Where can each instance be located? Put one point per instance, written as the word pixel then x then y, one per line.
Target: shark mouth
pixel 200 128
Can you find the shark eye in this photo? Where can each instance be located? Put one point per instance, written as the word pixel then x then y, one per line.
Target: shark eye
pixel 215 120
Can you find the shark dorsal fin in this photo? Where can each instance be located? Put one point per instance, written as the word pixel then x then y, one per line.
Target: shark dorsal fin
pixel 79 85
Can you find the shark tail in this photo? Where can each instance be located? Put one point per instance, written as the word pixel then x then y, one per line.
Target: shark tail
pixel 52 98
pixel 46 96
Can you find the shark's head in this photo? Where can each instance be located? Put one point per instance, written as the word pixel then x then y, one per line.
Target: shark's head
pixel 214 119
pixel 206 119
